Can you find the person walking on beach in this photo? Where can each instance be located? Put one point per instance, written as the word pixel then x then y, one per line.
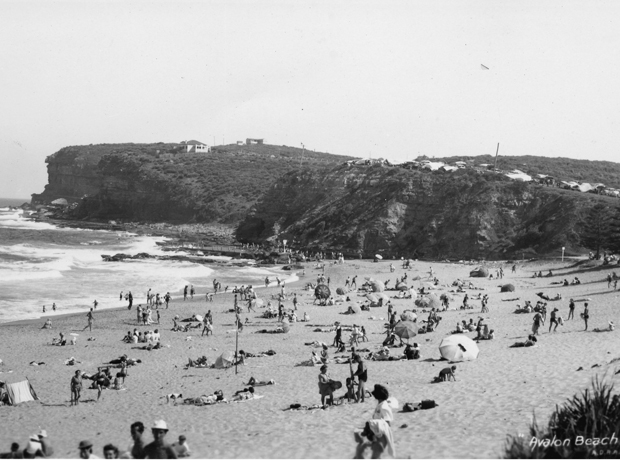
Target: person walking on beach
pixel 130 298
pixel 43 308
pixel 295 301
pixel 250 306
pixel 120 297
pixel 354 282
pixel 54 306
pixel 514 268
pixel 76 388
pixel 553 320
pixel 185 292
pixel 585 315
pixel 192 291
pixel 90 317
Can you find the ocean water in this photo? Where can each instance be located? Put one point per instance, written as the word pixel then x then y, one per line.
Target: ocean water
pixel 41 264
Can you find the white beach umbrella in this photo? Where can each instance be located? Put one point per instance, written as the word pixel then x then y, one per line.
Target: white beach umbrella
pixel 458 347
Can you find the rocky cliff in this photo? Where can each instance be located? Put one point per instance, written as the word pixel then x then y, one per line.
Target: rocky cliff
pixel 161 182
pixel 397 212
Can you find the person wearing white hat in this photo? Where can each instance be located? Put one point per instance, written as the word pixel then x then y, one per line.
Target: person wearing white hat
pixel 33 448
pixel 158 448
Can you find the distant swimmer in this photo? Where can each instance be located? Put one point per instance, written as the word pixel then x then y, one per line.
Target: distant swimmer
pixel 43 308
pixel 54 306
pixel 95 303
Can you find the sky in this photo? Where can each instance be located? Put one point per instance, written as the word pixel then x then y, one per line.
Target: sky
pixel 390 79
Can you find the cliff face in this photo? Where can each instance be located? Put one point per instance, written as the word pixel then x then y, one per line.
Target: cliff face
pixel 397 212
pixel 159 182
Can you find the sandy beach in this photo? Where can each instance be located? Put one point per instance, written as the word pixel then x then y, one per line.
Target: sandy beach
pixel 493 396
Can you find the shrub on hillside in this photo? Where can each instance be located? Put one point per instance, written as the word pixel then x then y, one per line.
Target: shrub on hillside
pixel 584 427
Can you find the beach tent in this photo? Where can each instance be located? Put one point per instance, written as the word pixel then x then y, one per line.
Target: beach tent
pixel 508 288
pixel 480 272
pixel 458 347
pixel 19 390
pixel 225 360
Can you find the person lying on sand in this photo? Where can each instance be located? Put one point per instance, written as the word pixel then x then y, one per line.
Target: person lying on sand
pixel 200 362
pixel 253 382
pixel 530 342
pixel 59 341
pixel 216 397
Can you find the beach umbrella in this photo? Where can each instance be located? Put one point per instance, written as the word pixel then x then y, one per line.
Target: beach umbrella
pixel 198 318
pixel 480 272
pixel 445 296
pixel 376 286
pixel 384 296
pixel 458 347
pixel 378 256
pixel 356 308
pixel 372 298
pixel 286 326
pixel 400 286
pixel 406 329
pixel 508 288
pixel 341 291
pixel 257 303
pixel 225 360
pixel 322 292
pixel 416 278
pixel 408 315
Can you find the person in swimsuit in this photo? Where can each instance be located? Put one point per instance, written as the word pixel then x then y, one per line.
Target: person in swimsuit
pixel 76 387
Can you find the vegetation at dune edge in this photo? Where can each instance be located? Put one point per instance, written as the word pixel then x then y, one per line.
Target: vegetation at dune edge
pixel 583 427
pixel 601 229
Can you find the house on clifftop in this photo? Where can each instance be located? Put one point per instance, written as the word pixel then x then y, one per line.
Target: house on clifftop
pixel 249 141
pixel 195 146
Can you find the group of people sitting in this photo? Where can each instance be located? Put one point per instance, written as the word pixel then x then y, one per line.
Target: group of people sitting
pixel 540 275
pixel 62 341
pixel 139 337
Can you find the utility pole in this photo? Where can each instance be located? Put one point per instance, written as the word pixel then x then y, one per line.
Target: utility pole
pixel 302 154
pixel 496 153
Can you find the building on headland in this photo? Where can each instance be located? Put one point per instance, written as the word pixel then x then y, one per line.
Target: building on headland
pixel 249 141
pixel 195 146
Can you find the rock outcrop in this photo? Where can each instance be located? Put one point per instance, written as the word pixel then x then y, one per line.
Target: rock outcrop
pixel 398 212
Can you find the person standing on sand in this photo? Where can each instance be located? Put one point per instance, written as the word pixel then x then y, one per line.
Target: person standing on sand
pixel 76 388
pixel 571 309
pixel 43 308
pixel 538 321
pixel 354 282
pixel 295 301
pixel 192 291
pixel 585 315
pixel 54 306
pixel 130 298
pixel 91 318
pixel 362 377
pixel 185 292
pixel 120 297
pixel 167 299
